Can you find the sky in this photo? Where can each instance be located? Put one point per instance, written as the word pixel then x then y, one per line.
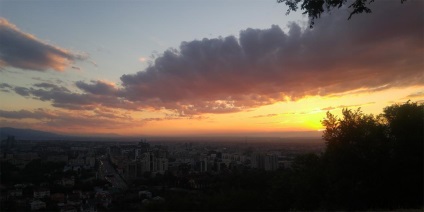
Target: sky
pixel 190 68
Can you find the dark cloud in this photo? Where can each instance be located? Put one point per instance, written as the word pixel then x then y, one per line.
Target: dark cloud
pixel 55 119
pixel 97 87
pixel 25 114
pixel 51 86
pixel 4 87
pixel 368 53
pixel 22 91
pixel 371 52
pixel 62 97
pixel 22 50
pixel 51 80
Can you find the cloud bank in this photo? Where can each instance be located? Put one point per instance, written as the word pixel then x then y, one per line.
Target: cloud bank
pixel 371 52
pixel 379 50
pixel 24 51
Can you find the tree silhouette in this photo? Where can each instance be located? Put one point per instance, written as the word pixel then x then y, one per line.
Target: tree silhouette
pixel 314 8
pixel 375 161
pixel 355 159
pixel 405 125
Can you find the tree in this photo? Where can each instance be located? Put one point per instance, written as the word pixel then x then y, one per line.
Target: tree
pixel 308 182
pixel 405 124
pixel 355 131
pixel 375 161
pixel 314 8
pixel 355 159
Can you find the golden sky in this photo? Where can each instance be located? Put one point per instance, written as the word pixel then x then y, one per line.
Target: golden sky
pixel 265 80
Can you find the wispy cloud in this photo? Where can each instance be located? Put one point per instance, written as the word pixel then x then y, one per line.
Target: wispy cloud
pixel 418 94
pixel 76 68
pixel 4 87
pixel 25 51
pixel 346 106
pixel 59 119
pixel 266 115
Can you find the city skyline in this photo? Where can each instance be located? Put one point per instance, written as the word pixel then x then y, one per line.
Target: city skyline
pixel 187 68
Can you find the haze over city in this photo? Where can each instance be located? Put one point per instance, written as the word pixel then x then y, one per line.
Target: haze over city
pixel 189 105
pixel 189 68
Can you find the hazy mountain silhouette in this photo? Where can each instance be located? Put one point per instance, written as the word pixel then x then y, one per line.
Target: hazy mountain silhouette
pixel 30 134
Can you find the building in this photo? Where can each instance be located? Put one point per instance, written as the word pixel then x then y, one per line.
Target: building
pixel 68 182
pixel 37 205
pixel 58 158
pixel 202 165
pixel 103 198
pixel 14 193
pixel 90 161
pixel 153 162
pixel 268 162
pixel 41 193
pixel 161 165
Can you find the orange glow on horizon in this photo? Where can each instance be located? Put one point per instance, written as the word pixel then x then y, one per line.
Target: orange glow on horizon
pixel 304 114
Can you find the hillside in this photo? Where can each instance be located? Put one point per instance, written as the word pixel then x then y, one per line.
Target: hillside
pixel 28 134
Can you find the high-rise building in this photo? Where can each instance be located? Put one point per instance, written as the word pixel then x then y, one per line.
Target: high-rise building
pixel 268 162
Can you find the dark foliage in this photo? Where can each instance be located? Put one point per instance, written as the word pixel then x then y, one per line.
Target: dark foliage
pixel 314 8
pixel 374 162
pixel 370 163
pixel 36 171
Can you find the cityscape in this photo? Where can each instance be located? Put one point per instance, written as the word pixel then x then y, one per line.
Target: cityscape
pixel 140 175
pixel 223 105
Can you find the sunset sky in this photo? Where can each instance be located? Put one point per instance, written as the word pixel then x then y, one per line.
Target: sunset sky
pixel 182 68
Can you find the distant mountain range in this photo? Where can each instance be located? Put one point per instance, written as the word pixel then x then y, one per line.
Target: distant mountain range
pixel 30 134
pixel 34 135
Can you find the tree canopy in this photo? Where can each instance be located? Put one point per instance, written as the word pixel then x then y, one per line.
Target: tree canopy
pixel 374 160
pixel 314 8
